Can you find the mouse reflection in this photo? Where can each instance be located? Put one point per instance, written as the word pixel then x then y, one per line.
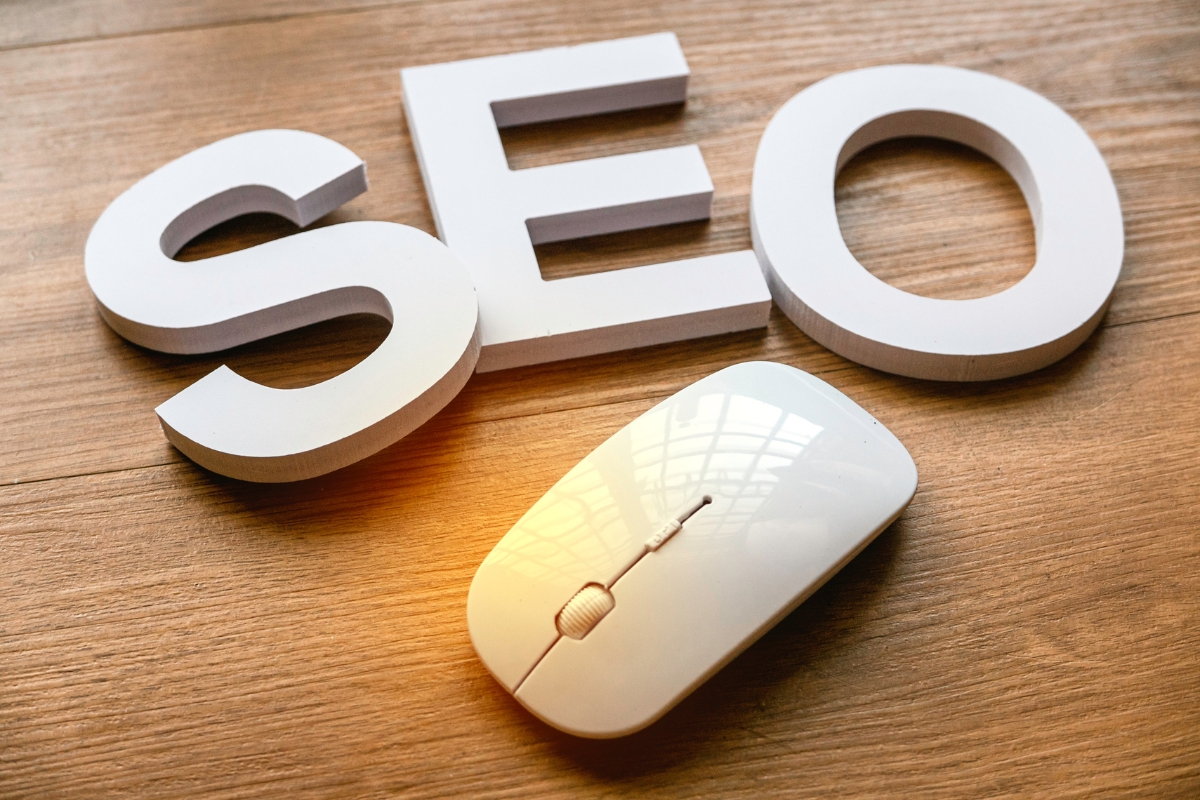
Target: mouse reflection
pixel 736 448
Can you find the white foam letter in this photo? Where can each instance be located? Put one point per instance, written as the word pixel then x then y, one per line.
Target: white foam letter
pixel 491 216
pixel 831 297
pixel 223 421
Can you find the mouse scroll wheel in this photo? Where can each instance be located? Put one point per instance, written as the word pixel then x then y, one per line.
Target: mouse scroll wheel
pixel 584 610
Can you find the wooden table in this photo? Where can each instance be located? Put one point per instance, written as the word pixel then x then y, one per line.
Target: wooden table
pixel 1030 626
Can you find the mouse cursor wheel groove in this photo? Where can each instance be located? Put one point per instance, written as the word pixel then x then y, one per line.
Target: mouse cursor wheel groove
pixel 584 610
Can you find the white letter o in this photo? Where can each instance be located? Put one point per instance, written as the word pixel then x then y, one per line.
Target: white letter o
pixel 821 286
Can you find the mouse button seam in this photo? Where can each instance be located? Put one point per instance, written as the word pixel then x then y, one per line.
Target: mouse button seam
pixel 517 686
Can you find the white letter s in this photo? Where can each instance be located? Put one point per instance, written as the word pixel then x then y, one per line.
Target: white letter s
pixel 223 421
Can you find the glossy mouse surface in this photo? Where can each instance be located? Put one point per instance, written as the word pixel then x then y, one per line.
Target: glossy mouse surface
pixel 678 542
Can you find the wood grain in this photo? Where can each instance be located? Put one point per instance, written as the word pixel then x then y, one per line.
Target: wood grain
pixel 29 23
pixel 1028 628
pixel 83 121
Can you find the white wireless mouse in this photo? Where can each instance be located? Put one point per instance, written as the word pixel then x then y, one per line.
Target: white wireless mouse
pixel 678 542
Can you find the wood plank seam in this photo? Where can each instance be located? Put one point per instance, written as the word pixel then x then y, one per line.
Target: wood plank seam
pixel 233 23
pixel 838 369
